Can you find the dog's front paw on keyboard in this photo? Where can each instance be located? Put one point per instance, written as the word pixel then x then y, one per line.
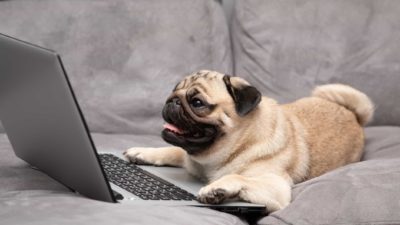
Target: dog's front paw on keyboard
pixel 164 156
pixel 144 156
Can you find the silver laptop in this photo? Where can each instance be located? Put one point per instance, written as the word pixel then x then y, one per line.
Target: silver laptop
pixel 47 129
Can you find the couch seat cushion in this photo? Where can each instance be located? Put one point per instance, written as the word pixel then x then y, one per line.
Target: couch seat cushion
pixel 367 192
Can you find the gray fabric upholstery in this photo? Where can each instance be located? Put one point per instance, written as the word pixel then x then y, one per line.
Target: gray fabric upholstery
pixel 285 48
pixel 366 192
pixel 124 57
pixel 382 143
pixel 37 208
pixel 28 196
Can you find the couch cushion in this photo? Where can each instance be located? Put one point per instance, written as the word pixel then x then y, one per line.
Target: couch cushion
pixel 124 57
pixel 367 192
pixel 382 143
pixel 36 207
pixel 285 48
pixel 28 196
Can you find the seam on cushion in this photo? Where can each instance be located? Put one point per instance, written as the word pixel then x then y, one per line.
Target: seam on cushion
pixel 229 24
pixel 214 10
pixel 216 14
pixel 240 28
pixel 239 47
pixel 211 28
pixel 233 37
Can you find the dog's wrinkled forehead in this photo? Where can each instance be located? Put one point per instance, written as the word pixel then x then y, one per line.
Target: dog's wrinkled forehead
pixel 198 78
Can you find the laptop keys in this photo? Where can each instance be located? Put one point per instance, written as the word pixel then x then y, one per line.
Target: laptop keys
pixel 140 182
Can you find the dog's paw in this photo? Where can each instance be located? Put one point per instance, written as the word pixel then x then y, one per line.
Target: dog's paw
pixel 144 156
pixel 214 194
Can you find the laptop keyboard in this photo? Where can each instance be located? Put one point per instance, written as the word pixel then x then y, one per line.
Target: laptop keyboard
pixel 140 182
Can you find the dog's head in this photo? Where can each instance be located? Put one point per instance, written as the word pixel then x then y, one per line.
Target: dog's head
pixel 204 107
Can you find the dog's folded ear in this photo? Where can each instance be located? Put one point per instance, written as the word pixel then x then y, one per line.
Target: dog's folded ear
pixel 245 96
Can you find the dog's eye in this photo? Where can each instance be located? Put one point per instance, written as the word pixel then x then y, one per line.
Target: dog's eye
pixel 195 102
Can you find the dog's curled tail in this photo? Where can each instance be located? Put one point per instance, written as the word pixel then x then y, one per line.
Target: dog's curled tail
pixel 349 97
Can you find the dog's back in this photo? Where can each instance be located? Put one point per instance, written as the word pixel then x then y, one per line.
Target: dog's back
pixel 332 118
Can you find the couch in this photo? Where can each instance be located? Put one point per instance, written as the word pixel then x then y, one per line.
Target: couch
pixel 124 57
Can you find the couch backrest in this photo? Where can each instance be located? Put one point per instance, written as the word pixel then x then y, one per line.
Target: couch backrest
pixel 285 48
pixel 124 57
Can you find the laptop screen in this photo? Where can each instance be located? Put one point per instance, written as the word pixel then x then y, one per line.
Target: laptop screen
pixel 43 120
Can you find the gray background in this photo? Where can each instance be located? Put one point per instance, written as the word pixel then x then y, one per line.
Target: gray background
pixel 124 57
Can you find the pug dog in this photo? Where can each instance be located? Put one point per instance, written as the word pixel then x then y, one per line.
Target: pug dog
pixel 251 148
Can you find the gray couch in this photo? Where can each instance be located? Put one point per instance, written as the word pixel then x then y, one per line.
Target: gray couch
pixel 124 57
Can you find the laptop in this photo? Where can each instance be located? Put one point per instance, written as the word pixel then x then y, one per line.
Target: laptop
pixel 47 129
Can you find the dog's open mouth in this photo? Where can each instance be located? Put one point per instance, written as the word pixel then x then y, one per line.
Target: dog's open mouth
pixel 174 129
pixel 180 130
pixel 192 140
pixel 189 134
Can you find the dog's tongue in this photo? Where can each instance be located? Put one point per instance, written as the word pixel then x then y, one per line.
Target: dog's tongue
pixel 173 128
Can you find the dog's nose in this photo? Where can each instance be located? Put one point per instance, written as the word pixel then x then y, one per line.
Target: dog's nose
pixel 173 100
pixel 176 101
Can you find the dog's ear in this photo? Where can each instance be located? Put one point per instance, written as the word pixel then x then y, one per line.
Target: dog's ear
pixel 245 96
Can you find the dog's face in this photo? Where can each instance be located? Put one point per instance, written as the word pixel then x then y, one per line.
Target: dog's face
pixel 203 107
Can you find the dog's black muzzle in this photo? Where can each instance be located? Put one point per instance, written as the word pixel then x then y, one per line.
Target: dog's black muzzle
pixel 194 136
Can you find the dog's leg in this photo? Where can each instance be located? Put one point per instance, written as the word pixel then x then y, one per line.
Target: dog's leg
pixel 270 190
pixel 171 156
